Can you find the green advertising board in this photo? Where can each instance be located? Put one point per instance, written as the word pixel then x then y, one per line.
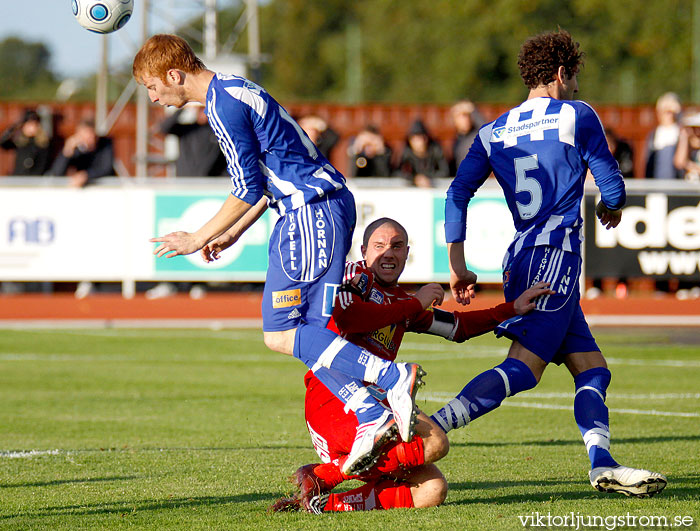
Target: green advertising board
pixel 245 260
pixel 489 232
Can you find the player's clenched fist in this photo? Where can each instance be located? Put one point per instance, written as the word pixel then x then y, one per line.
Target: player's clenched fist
pixel 430 294
pixel 608 218
pixel 212 250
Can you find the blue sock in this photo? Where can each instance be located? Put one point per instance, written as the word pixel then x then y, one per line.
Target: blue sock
pixel 485 393
pixel 591 414
pixel 352 393
pixel 319 347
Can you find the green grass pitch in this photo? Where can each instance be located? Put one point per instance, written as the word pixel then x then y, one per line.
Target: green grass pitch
pixel 199 429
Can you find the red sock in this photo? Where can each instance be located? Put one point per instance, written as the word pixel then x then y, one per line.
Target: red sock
pixel 331 473
pixel 398 456
pixel 392 494
pixel 385 494
pixel 401 455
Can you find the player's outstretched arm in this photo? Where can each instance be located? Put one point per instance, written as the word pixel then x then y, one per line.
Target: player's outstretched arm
pixel 461 279
pixel 608 218
pixel 180 243
pixel 526 301
pixel 212 250
pixel 460 326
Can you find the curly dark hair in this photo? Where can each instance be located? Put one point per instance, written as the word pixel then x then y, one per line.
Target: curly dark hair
pixel 541 56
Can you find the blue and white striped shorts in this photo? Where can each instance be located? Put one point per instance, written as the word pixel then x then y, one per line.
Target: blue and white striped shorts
pixel 307 254
pixel 557 325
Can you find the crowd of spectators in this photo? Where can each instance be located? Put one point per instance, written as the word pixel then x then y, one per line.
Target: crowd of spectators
pixel 672 148
pixel 83 156
pixel 671 151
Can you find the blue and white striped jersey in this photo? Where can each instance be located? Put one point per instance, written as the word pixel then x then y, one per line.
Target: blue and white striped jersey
pixel 539 152
pixel 267 151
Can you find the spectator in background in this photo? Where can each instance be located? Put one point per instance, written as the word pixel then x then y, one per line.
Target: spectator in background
pixel 663 139
pixel 467 121
pixel 369 155
pixel 85 156
pixel 622 152
pixel 320 133
pixel 687 156
pixel 422 159
pixel 31 143
pixel 200 155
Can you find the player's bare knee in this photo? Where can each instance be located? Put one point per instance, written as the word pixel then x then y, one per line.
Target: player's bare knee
pixel 430 493
pixel 442 444
pixel 536 364
pixel 440 491
pixel 282 341
pixel 578 362
pixel 436 445
pixel 271 340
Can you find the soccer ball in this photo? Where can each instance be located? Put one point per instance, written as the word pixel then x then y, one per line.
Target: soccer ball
pixel 102 16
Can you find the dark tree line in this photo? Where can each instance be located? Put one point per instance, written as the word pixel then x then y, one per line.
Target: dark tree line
pixel 436 51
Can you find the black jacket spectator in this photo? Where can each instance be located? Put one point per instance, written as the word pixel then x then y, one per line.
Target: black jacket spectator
pixel 369 154
pixel 622 152
pixel 31 144
pixel 422 159
pixel 200 155
pixel 320 133
pixel 85 156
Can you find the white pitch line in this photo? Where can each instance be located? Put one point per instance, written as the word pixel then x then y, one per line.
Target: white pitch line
pixel 25 454
pixel 213 324
pixel 30 356
pixel 643 320
pixel 653 412
pixel 593 320
pixel 538 405
pixel 481 351
pixel 655 363
pixel 625 396
pixel 28 454
pixel 145 333
pixel 475 353
pixel 452 347
pixel 616 396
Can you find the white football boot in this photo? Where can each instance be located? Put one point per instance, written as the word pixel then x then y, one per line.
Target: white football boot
pixel 635 482
pixel 369 440
pixel 402 398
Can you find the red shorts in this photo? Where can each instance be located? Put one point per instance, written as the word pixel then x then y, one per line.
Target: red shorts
pixel 332 430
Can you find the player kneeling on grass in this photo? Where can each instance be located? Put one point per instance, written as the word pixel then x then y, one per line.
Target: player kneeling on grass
pixel 373 312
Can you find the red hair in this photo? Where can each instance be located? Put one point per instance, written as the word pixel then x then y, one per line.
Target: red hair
pixel 164 52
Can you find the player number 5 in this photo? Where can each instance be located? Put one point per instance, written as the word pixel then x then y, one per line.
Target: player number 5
pixel 523 183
